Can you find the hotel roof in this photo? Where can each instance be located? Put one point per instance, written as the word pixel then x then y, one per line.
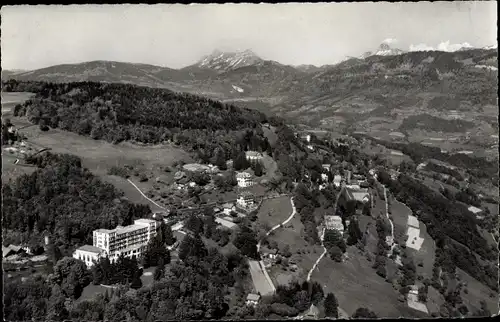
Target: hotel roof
pixel 90 249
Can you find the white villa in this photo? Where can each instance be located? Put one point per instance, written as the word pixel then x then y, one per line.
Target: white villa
pixel 253 156
pixel 244 179
pixel 334 222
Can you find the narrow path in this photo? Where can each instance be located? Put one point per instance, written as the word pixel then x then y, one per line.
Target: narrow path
pixel 294 211
pixel 392 244
pixel 263 267
pixel 145 195
pixel 322 237
pixel 319 258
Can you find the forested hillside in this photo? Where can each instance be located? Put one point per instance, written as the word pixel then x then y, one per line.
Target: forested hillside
pixel 64 200
pixel 117 112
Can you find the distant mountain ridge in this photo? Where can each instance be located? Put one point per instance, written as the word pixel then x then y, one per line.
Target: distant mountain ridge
pixel 330 96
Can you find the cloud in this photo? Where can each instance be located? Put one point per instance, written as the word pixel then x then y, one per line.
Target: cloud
pixel 389 41
pixel 443 46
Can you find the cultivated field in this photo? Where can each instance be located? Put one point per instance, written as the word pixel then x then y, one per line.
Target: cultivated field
pixel 261 284
pixel 355 284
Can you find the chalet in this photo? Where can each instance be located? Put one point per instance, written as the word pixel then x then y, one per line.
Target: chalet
pixel 253 155
pixel 475 210
pixel 336 180
pixel 313 312
pixel 324 177
pixel 327 167
pixel 12 250
pixel 310 147
pixel 306 137
pixel 227 208
pixel 269 253
pixel 225 222
pixel 253 299
pixel 361 195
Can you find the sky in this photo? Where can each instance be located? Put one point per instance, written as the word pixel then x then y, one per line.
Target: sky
pixel 179 35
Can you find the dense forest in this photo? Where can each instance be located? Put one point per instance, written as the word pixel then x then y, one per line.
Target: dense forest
pixel 58 198
pixel 451 225
pixel 119 112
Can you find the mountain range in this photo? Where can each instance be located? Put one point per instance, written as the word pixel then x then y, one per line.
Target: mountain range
pixel 382 87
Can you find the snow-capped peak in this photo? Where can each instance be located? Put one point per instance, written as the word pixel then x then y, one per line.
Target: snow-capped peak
pixel 385 50
pixel 223 61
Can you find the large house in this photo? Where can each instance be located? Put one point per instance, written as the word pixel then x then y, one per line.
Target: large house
pixel 253 155
pixel 244 179
pixel 88 254
pixel 361 195
pixel 334 222
pixel 246 200
pixel 128 241
pixel 253 299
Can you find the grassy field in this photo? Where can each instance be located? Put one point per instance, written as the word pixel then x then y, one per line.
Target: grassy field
pixel 426 254
pixel 11 170
pixel 92 290
pixel 477 292
pixel 274 211
pixel 399 214
pixel 99 155
pixel 291 235
pixel 355 284
pixel 130 191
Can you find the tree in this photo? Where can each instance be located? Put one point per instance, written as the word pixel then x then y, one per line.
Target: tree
pixel 257 168
pixel 136 281
pixel 331 306
pixel 286 251
pixel 246 242
pixel 354 232
pixel 56 310
pixel 335 253
pixel 155 251
pixel 72 275
pixel 241 162
pixel 334 238
pixel 364 313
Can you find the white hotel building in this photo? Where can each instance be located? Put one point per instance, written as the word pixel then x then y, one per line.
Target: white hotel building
pixel 129 240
